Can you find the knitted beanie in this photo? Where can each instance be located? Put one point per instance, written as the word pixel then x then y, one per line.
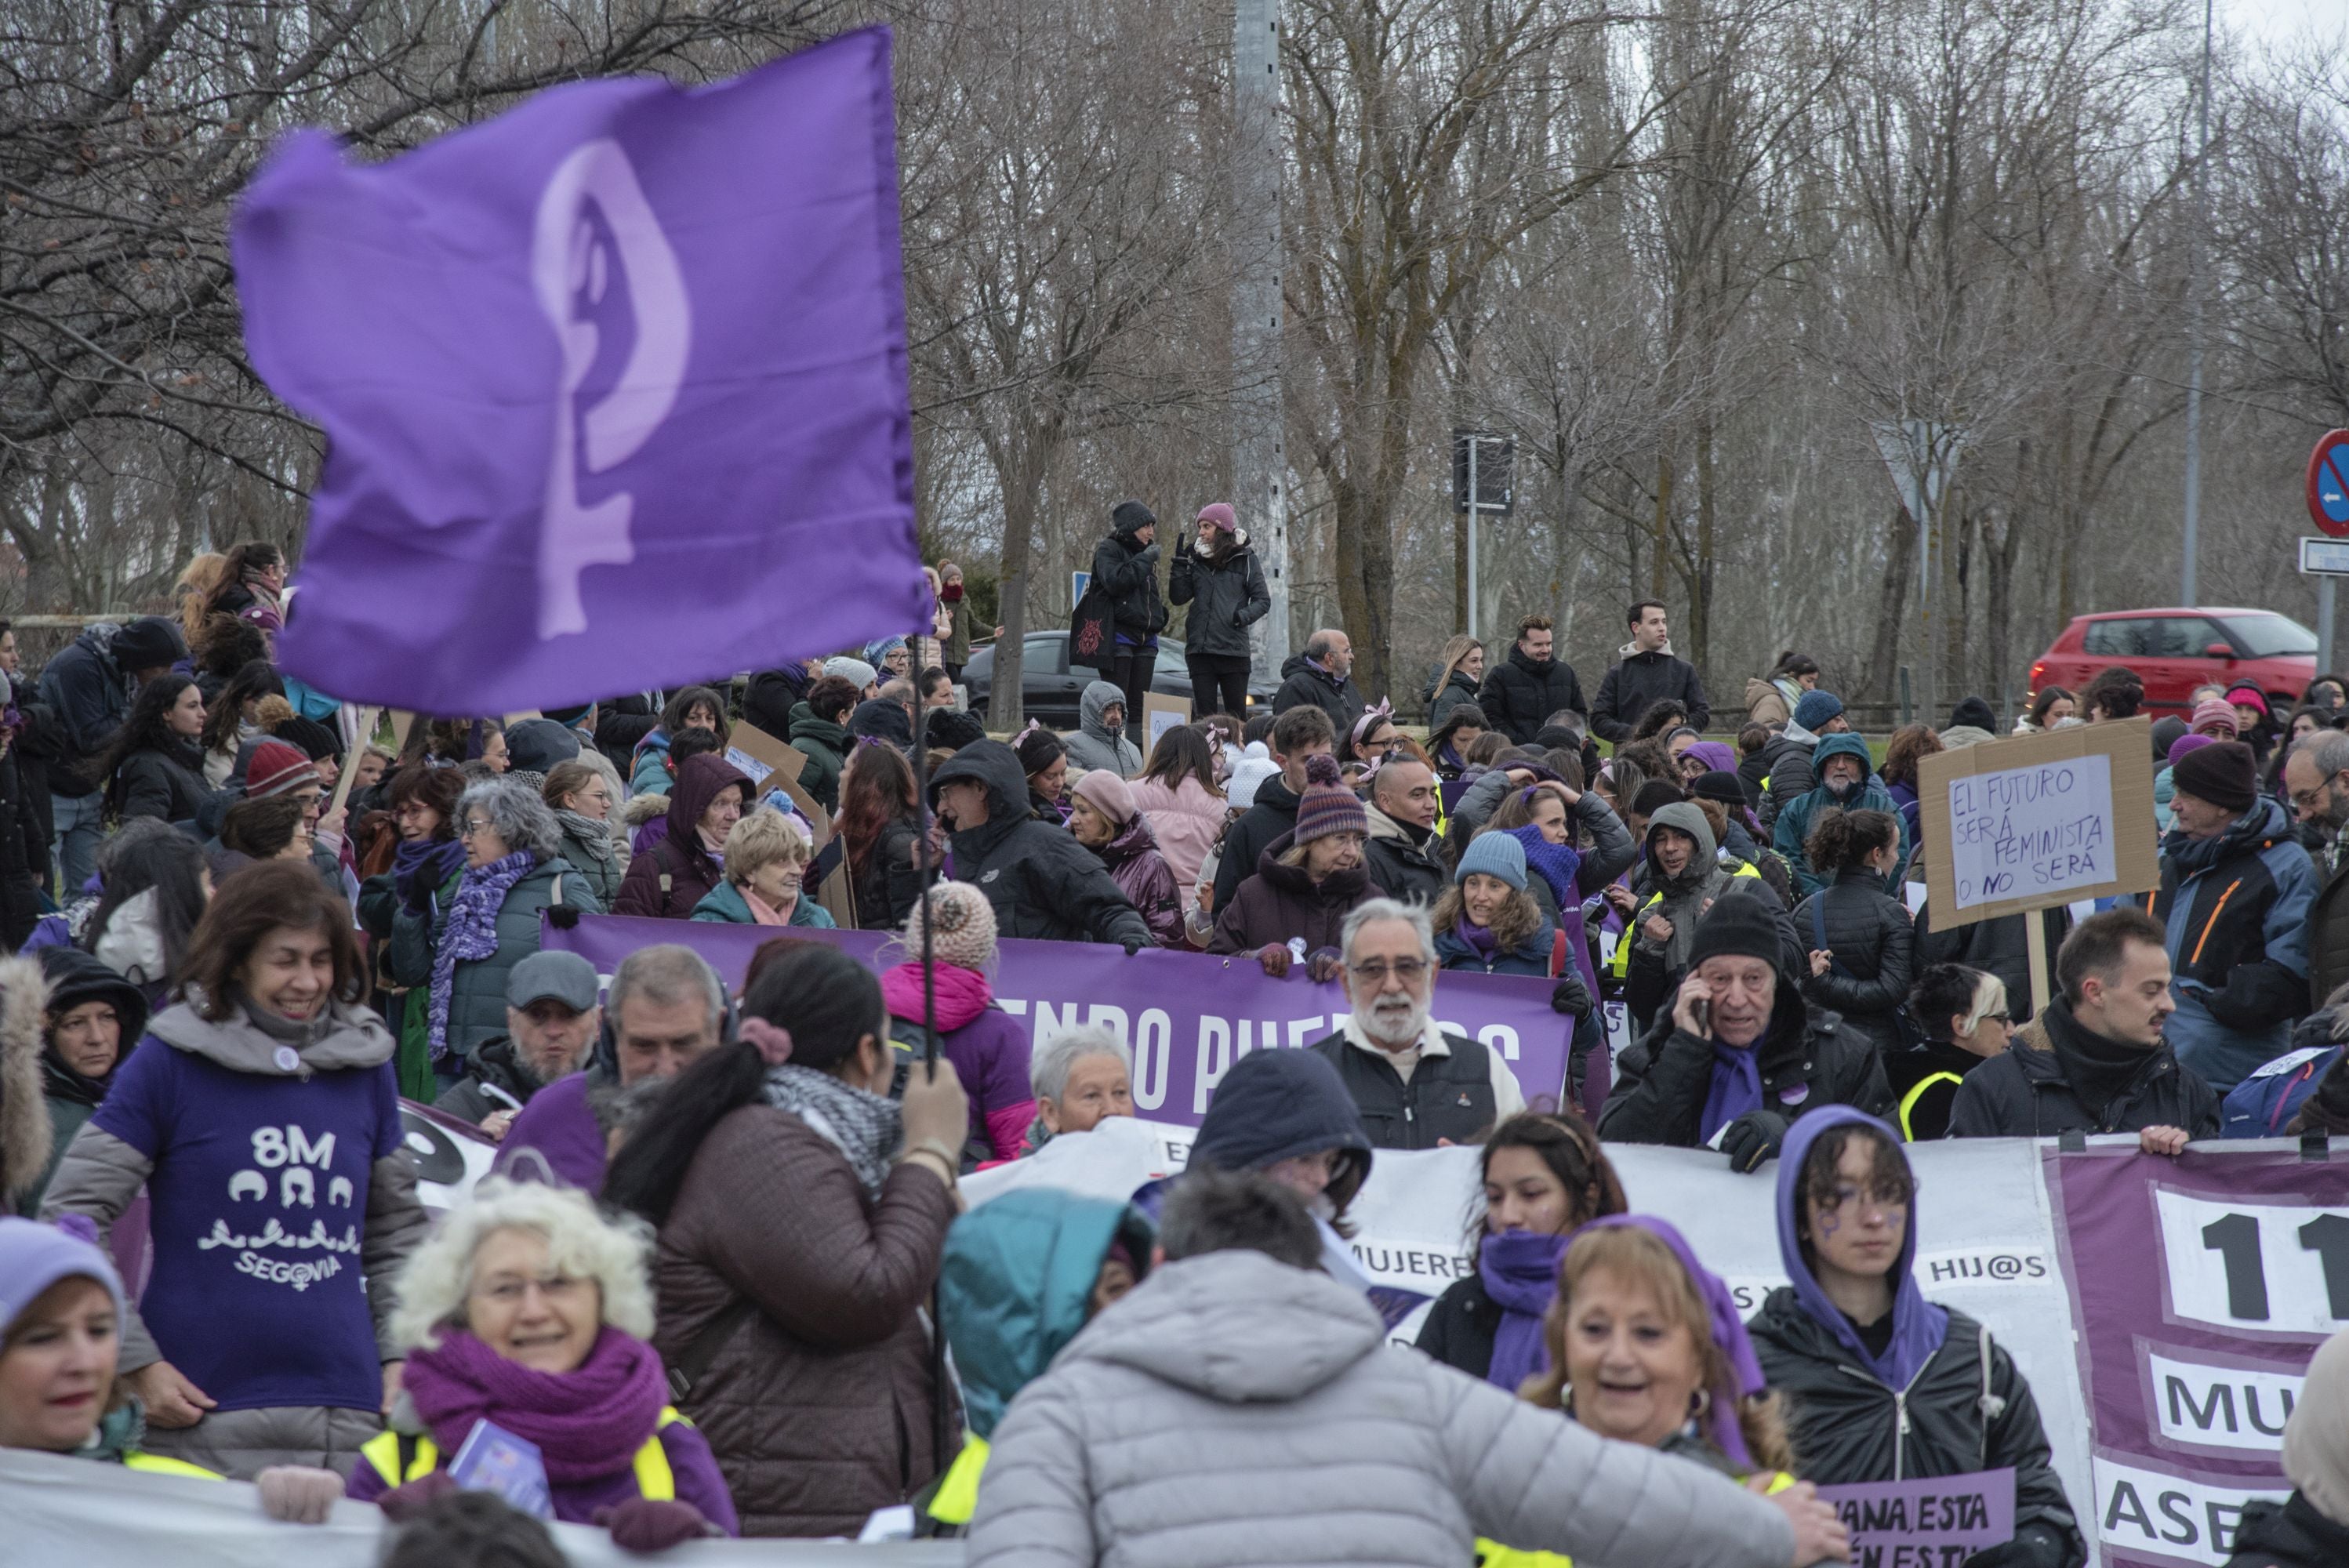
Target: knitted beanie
pixel 1654 796
pixel 2221 773
pixel 1327 806
pixel 964 931
pixel 1248 776
pixel 951 729
pixel 854 671
pixel 1496 854
pixel 1738 925
pixel 2248 695
pixel 1108 793
pixel 34 1256
pixel 2184 743
pixel 1218 514
pixel 1719 785
pixel 275 768
pixel 2213 716
pixel 1813 708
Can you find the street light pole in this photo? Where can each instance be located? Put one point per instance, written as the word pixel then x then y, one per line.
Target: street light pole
pixel 2194 288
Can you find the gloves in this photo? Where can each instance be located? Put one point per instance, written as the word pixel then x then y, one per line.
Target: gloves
pixel 1323 965
pixel 563 915
pixel 1149 556
pixel 1132 947
pixel 641 1524
pixel 1571 996
pixel 2034 1546
pixel 402 1501
pixel 1751 1138
pixel 1274 957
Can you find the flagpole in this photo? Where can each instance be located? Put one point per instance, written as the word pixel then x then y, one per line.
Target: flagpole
pixel 924 863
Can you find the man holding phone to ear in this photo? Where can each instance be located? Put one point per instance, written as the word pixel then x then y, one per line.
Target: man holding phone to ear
pixel 1738 1054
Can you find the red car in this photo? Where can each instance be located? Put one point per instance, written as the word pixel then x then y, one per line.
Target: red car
pixel 2174 651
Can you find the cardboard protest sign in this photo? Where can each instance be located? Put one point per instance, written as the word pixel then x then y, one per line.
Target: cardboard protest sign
pixel 1935 1523
pixel 772 765
pixel 2038 820
pixel 1161 714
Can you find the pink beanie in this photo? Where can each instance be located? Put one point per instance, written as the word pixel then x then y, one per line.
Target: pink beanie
pixel 1108 794
pixel 1219 514
pixel 2213 715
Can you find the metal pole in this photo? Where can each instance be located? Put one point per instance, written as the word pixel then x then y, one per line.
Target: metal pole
pixel 1259 469
pixel 2193 323
pixel 1471 535
pixel 2324 622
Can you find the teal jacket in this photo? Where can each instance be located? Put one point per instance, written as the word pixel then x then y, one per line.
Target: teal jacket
pixel 1017 1283
pixel 725 903
pixel 1793 824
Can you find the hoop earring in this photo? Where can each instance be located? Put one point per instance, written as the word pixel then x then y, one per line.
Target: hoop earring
pixel 1700 1404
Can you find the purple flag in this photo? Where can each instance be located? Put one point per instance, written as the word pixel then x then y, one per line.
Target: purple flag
pixel 613 387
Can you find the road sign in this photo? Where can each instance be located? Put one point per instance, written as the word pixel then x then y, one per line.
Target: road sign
pixel 2328 485
pixel 1486 461
pixel 2322 557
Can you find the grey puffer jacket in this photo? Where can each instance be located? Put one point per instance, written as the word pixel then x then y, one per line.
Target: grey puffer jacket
pixel 477 1002
pixel 1194 1423
pixel 1093 744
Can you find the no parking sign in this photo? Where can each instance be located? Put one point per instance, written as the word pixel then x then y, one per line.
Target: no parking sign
pixel 2328 484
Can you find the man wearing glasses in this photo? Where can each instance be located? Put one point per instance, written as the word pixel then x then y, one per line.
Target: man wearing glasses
pixel 2316 776
pixel 1415 1084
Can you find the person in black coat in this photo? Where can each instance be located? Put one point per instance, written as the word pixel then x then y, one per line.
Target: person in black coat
pixel 1219 577
pixel 2095 1061
pixel 768 696
pixel 1041 881
pixel 1879 1383
pixel 2311 1528
pixel 1323 675
pixel 1646 673
pixel 1861 948
pixel 1401 847
pixel 87 687
pixel 1737 1054
pixel 156 765
pixel 622 721
pixel 1966 1020
pixel 1544 1177
pixel 1521 691
pixel 1298 737
pixel 1125 568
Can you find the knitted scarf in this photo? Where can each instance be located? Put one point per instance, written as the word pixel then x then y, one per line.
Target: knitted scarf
pixel 588 833
pixel 588 1423
pixel 1519 1269
pixel 420 867
pixel 867 1128
pixel 471 934
pixel 962 993
pixel 1558 864
pixel 1480 939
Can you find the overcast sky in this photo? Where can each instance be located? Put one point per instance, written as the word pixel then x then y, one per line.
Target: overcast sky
pixel 2281 20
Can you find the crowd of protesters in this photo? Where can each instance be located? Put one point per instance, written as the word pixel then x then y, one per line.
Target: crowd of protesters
pixel 234 972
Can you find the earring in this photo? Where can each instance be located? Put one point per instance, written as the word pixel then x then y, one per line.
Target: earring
pixel 1700 1404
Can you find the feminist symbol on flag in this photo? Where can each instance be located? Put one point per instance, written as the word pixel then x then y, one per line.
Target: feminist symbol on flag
pixel 594 222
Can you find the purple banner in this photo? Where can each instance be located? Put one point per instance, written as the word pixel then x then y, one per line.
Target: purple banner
pixel 1188 1015
pixel 613 386
pixel 2198 1300
pixel 1936 1523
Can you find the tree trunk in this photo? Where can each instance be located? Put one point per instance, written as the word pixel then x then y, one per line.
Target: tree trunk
pixel 1880 681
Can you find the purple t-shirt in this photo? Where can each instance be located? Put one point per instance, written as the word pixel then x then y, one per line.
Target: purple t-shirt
pixel 260 1195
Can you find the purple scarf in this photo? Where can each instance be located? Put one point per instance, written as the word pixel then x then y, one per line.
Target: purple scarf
pixel 470 933
pixel 588 1423
pixel 1519 1270
pixel 1487 946
pixel 420 867
pixel 1723 1428
pixel 1736 1088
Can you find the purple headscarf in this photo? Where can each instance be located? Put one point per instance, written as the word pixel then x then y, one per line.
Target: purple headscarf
pixel 1723 1428
pixel 1718 757
pixel 1917 1326
pixel 1519 1271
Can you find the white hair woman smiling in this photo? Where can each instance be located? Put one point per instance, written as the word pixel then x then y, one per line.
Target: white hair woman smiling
pixel 531 1310
pixel 1082 1077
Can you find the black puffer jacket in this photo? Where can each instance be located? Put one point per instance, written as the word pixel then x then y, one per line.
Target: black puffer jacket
pixel 166 785
pixel 1461 1325
pixel 1518 695
pixel 2291 1534
pixel 768 696
pixel 1809 1058
pixel 1873 947
pixel 1637 683
pixel 1848 1428
pixel 1274 816
pixel 1041 881
pixel 2024 1094
pixel 23 850
pixel 1226 594
pixel 1127 571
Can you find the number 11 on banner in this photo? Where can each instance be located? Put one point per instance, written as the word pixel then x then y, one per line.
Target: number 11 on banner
pixel 2278 1268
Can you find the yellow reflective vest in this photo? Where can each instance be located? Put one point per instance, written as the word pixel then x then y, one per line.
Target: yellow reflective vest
pixel 399 1458
pixel 156 1464
pixel 1620 966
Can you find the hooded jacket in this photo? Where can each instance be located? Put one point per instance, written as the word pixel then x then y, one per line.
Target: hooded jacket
pixel 1943 1399
pixel 89 691
pixel 1042 883
pixel 1142 874
pixel 1397 856
pixel 1809 1058
pixel 2235 910
pixel 1787 771
pixel 1655 967
pixel 71 979
pixel 1302 682
pixel 1277 1105
pixel 1194 1424
pixel 1092 745
pixel 771 698
pixel 1795 819
pixel 274 1158
pixel 1282 902
pixel 1637 682
pixel 1272 818
pixel 2024 1092
pixel 1518 696
pixel 1875 948
pixel 824 742
pixel 668 880
pixel 1226 593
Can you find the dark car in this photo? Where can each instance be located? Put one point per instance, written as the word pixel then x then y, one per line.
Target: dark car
pixel 2174 651
pixel 1049 688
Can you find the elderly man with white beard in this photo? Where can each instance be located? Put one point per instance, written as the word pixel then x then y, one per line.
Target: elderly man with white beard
pixel 1416 1085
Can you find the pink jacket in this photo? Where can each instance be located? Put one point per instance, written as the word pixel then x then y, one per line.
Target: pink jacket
pixel 1187 821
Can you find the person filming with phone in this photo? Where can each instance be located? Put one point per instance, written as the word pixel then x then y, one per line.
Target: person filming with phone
pixel 1736 1053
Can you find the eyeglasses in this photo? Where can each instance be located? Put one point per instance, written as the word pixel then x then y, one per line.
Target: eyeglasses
pixel 470 828
pixel 1407 970
pixel 1998 1017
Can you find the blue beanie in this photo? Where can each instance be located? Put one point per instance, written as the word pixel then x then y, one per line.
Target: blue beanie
pixel 1496 854
pixel 34 1256
pixel 1815 708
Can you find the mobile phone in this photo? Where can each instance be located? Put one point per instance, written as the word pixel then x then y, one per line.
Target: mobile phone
pixel 1702 1010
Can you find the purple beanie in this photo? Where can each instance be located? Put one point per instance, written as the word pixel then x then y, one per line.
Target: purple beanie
pixel 2186 743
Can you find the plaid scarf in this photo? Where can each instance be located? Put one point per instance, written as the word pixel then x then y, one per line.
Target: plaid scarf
pixel 470 935
pixel 869 1128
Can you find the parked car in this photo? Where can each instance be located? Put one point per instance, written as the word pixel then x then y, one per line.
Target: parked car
pixel 2174 651
pixel 1049 688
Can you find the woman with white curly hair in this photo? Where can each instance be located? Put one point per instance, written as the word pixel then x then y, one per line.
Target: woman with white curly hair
pixel 529 1311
